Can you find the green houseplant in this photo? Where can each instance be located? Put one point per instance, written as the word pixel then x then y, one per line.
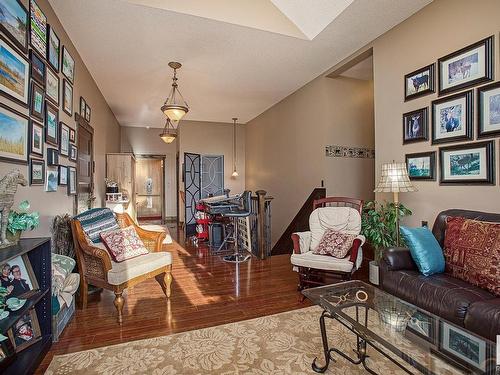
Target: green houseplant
pixel 21 220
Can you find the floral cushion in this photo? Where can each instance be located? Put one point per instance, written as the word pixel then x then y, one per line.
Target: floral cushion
pixel 335 243
pixel 472 252
pixel 123 244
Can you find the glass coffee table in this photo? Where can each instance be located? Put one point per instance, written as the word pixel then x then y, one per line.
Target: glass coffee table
pixel 414 340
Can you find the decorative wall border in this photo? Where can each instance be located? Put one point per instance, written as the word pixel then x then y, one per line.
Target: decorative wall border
pixel 349 152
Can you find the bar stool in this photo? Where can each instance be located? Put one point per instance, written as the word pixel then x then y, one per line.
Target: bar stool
pixel 234 214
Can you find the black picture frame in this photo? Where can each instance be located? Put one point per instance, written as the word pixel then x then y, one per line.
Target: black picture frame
pixel 73 153
pixel 52 157
pixel 432 165
pixel 72 187
pixel 39 43
pixel 72 135
pixel 66 56
pixel 63 175
pixel 83 106
pixel 413 326
pixel 468 116
pixel 54 64
pixel 67 88
pixel 88 113
pixel 488 44
pixel 409 122
pixel 22 100
pixel 51 126
pixel 39 163
pixel 481 91
pixel 38 68
pixel 23 46
pixel 419 81
pixel 7 155
pixel 63 139
pixel 33 149
pixel 489 179
pixel 52 93
pixel 37 98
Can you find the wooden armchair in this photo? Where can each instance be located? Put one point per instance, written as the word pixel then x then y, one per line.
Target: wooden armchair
pixel 97 268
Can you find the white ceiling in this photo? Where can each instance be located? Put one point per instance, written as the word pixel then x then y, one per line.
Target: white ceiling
pixel 235 64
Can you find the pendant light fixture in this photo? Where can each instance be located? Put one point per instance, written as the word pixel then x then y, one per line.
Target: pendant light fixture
pixel 235 172
pixel 169 132
pixel 171 108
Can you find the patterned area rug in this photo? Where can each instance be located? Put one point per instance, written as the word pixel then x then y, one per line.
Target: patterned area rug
pixel 285 343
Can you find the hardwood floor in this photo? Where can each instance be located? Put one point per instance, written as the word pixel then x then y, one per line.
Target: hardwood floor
pixel 205 292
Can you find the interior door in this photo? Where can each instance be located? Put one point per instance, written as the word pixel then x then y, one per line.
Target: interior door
pixel 85 168
pixel 149 182
pixel 192 188
pixel 212 175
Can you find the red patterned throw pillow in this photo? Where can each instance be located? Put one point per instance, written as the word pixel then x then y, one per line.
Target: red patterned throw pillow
pixel 335 243
pixel 123 244
pixel 472 252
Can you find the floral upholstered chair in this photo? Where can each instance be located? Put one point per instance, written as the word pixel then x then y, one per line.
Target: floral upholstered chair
pixel 97 267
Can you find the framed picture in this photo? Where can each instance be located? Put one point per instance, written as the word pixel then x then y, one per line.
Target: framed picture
pixel 420 82
pixel 71 181
pixel 488 110
pixel 415 125
pixel 53 49
pixel 38 28
pixel 64 139
pixel 52 157
pixel 14 73
pixel 466 67
pixel 37 172
pixel 26 331
pixel 52 86
pixel 470 163
pixel 14 135
pixel 83 106
pixel 36 139
pixel 68 65
pixel 51 124
pixel 73 153
pixel 72 135
pixel 421 166
pixel 423 326
pixel 452 118
pixel 14 22
pixel 462 345
pixel 37 68
pixel 63 175
pixel 37 101
pixel 18 277
pixel 51 180
pixel 67 97
pixel 88 112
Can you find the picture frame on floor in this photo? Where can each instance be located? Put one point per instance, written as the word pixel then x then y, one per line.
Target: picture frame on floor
pixel 419 82
pixel 14 23
pixel 14 133
pixel 51 124
pixel 37 101
pixel 468 164
pixel 51 180
pixel 63 175
pixel 423 326
pixel 488 111
pixel 52 86
pixel 421 166
pixel 26 331
pixel 53 48
pixel 466 67
pixel 73 153
pixel 72 181
pixel 68 65
pixel 14 73
pixel 452 118
pixel 64 139
pixel 37 68
pixel 37 172
pixel 38 28
pixel 36 138
pixel 67 97
pixel 415 126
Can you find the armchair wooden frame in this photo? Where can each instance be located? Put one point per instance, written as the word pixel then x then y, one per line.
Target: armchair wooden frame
pixel 94 264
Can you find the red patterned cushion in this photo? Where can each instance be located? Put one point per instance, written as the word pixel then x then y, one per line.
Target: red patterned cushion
pixel 472 252
pixel 123 244
pixel 335 243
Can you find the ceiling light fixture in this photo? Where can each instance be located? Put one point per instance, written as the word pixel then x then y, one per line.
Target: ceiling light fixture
pixel 173 110
pixel 235 172
pixel 169 132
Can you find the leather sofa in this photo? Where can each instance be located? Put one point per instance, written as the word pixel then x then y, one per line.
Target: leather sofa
pixel 453 299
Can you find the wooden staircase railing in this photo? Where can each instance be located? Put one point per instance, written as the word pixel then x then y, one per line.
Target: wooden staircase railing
pixel 299 223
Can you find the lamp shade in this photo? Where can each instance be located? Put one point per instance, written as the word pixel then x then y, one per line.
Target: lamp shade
pixel 169 132
pixel 174 112
pixel 394 179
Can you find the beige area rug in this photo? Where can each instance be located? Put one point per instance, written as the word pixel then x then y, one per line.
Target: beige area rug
pixel 285 343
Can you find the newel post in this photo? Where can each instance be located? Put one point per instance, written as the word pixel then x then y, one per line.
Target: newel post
pixel 261 219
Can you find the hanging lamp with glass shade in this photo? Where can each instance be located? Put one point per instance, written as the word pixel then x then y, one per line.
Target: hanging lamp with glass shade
pixel 169 132
pixel 173 108
pixel 235 172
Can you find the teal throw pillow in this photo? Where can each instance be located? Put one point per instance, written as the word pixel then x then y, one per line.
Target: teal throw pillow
pixel 424 249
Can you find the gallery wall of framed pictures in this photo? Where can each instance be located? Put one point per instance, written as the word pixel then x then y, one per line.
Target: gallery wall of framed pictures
pixel 37 74
pixel 464 120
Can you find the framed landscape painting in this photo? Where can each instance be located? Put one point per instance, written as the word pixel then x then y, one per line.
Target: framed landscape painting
pixel 488 110
pixel 53 49
pixel 470 163
pixel 36 139
pixel 67 97
pixel 52 86
pixel 68 65
pixel 71 181
pixel 421 166
pixel 14 22
pixel 64 139
pixel 51 124
pixel 452 118
pixel 420 82
pixel 415 125
pixel 37 172
pixel 63 175
pixel 13 135
pixel 37 68
pixel 466 67
pixel 38 28
pixel 14 73
pixel 37 101
pixel 51 180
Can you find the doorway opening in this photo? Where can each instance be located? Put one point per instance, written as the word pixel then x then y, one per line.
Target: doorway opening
pixel 150 189
pixel 84 198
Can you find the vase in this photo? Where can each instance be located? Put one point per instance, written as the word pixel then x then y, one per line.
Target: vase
pixel 13 238
pixel 373 277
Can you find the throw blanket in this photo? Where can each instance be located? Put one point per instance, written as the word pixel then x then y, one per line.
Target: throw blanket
pixel 64 282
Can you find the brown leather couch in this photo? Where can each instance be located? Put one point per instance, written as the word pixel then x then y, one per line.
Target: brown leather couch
pixel 455 300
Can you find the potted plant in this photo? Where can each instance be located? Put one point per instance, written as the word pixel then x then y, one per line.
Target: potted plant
pixel 21 220
pixel 378 225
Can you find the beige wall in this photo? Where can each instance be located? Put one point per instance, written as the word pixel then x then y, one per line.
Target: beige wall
pixel 285 146
pixel 143 141
pixel 442 27
pixel 106 137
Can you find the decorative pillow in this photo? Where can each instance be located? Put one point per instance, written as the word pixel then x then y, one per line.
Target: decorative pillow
pixel 424 249
pixel 95 221
pixel 472 252
pixel 335 243
pixel 123 244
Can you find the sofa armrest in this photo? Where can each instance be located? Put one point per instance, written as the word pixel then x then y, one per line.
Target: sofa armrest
pixel 356 245
pixel 397 259
pixel 301 242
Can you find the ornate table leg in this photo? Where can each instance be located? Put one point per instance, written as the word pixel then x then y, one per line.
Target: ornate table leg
pixel 326 349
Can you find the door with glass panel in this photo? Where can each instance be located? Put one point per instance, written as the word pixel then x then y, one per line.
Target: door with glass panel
pixel 149 188
pixel 212 175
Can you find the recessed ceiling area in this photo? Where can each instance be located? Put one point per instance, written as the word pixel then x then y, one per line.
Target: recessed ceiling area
pixel 362 70
pixel 232 66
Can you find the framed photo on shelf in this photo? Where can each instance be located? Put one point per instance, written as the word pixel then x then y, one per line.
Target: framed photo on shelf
pixel 52 86
pixel 51 124
pixel 38 28
pixel 452 118
pixel 53 49
pixel 71 181
pixel 420 82
pixel 20 277
pixel 36 139
pixel 15 73
pixel 26 331
pixel 72 135
pixel 73 153
pixel 37 68
pixel 63 175
pixel 421 166
pixel 37 101
pixel 14 23
pixel 68 65
pixel 14 134
pixel 415 125
pixel 83 106
pixel 423 326
pixel 51 180
pixel 64 139
pixel 466 67
pixel 488 110
pixel 470 163
pixel 67 97
pixel 37 172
